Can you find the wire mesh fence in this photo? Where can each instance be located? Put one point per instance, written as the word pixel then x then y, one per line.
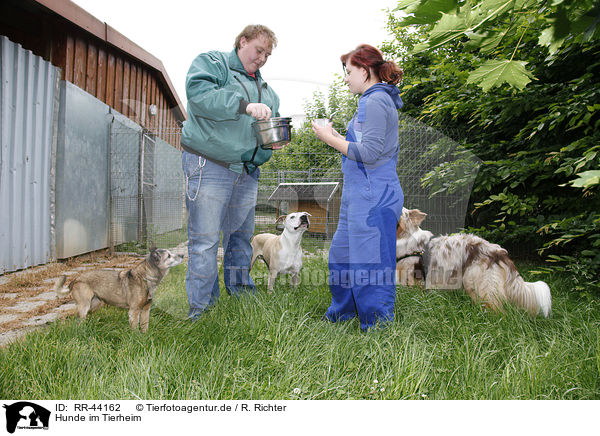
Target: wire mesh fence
pixel 283 189
pixel 424 149
pixel 125 201
pixel 148 202
pixel 147 199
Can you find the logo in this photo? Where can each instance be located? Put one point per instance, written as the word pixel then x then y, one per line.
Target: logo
pixel 25 415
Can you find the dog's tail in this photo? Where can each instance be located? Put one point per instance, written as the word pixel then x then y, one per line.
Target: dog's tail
pixel 499 281
pixel 60 288
pixel 541 290
pixel 533 296
pixel 255 251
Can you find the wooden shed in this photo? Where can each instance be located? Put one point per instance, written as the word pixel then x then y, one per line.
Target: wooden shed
pixel 321 200
pixel 98 59
pixel 89 136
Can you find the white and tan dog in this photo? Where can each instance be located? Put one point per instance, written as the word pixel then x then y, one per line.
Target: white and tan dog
pixel 411 242
pixel 483 269
pixel 283 253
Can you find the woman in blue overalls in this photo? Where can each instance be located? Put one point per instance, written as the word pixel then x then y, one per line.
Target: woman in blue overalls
pixel 362 257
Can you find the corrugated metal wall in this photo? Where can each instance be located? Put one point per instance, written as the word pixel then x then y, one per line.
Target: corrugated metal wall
pixel 28 103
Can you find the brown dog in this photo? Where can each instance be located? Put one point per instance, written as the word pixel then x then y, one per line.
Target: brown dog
pixel 131 289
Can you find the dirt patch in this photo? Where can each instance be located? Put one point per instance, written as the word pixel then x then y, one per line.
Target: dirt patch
pixel 27 298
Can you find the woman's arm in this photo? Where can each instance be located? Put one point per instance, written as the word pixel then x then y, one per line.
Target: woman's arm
pixel 374 132
pixel 331 137
pixel 372 143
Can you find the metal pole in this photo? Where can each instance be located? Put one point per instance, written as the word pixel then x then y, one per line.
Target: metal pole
pixel 111 239
pixel 141 188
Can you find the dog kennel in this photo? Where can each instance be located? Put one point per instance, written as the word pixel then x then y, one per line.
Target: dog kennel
pixel 321 200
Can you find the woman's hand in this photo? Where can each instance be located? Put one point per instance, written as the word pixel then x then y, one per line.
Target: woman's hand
pixel 331 137
pixel 324 133
pixel 336 134
pixel 259 111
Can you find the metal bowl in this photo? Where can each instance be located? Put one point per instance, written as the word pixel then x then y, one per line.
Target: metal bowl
pixel 273 132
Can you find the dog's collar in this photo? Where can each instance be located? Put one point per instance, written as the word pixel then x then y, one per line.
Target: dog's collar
pixel 413 254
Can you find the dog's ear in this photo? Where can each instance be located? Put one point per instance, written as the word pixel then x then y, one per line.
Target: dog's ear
pixel 307 213
pixel 416 216
pixel 152 246
pixel 280 219
pixel 155 256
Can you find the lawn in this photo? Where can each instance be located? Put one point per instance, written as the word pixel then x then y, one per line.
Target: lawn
pixel 276 346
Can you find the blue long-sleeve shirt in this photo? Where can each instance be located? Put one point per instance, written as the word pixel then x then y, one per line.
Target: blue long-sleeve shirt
pixel 375 125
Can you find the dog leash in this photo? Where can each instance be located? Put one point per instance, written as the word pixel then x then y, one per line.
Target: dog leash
pixel 422 255
pixel 413 254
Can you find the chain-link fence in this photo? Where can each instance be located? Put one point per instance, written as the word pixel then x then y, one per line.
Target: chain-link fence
pixel 317 190
pixel 147 189
pixel 424 150
pixel 147 199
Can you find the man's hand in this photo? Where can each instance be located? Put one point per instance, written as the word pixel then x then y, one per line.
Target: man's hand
pixel 259 111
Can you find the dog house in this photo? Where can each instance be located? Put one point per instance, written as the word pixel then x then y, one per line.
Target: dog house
pixel 321 200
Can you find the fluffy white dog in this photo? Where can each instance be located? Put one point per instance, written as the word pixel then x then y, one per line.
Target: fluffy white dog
pixel 467 261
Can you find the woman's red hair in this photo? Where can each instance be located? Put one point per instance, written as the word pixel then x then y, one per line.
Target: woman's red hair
pixel 368 57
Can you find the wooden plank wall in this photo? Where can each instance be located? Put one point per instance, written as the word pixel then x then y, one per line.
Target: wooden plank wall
pixel 118 80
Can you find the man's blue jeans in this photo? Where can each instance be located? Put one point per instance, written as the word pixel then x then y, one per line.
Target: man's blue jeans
pixel 218 200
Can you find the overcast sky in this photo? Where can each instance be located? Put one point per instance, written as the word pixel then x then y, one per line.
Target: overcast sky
pixel 311 35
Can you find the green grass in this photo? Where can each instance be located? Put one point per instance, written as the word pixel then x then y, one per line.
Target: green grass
pixel 275 346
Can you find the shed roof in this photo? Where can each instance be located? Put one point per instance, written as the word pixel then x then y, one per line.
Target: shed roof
pixel 90 24
pixel 305 191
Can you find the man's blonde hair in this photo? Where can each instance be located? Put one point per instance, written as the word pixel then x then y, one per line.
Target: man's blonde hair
pixel 254 31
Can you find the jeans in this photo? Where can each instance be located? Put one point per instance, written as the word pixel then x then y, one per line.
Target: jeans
pixel 218 200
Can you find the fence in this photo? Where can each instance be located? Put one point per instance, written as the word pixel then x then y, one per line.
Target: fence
pixel 146 189
pixel 148 203
pixel 422 149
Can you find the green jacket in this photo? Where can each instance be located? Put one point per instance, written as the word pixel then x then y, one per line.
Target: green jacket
pixel 218 90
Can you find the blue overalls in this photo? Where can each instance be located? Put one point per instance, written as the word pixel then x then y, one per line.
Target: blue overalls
pixel 362 256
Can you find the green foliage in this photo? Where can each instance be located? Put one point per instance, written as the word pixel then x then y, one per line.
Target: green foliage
pixel 498 28
pixel 586 179
pixel 306 153
pixel 580 235
pixel 539 142
pixel 496 72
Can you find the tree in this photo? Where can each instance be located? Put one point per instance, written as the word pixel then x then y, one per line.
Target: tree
pixel 496 29
pixel 539 138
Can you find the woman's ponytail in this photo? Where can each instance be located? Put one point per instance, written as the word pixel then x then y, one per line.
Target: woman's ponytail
pixel 390 73
pixel 370 58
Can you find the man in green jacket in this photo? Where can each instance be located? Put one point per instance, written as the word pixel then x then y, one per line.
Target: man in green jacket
pixel 226 94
